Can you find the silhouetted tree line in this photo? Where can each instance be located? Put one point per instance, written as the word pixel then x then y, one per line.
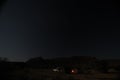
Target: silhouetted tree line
pixel 50 63
pixel 82 63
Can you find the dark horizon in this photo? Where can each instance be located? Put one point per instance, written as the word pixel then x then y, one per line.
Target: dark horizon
pixel 59 57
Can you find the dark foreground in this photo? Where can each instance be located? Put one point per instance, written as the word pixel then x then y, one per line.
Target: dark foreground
pixel 47 74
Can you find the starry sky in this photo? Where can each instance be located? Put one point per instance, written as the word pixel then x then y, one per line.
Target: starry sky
pixel 51 28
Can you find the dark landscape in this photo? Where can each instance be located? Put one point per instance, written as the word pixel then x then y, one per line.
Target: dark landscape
pixel 59 40
pixel 62 68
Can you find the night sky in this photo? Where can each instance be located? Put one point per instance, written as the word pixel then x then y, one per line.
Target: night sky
pixel 56 28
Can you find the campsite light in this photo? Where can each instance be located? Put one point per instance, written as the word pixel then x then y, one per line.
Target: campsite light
pixel 72 71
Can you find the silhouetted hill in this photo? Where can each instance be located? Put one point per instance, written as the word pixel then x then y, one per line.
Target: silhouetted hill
pixel 75 59
pixel 37 62
pixel 84 63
